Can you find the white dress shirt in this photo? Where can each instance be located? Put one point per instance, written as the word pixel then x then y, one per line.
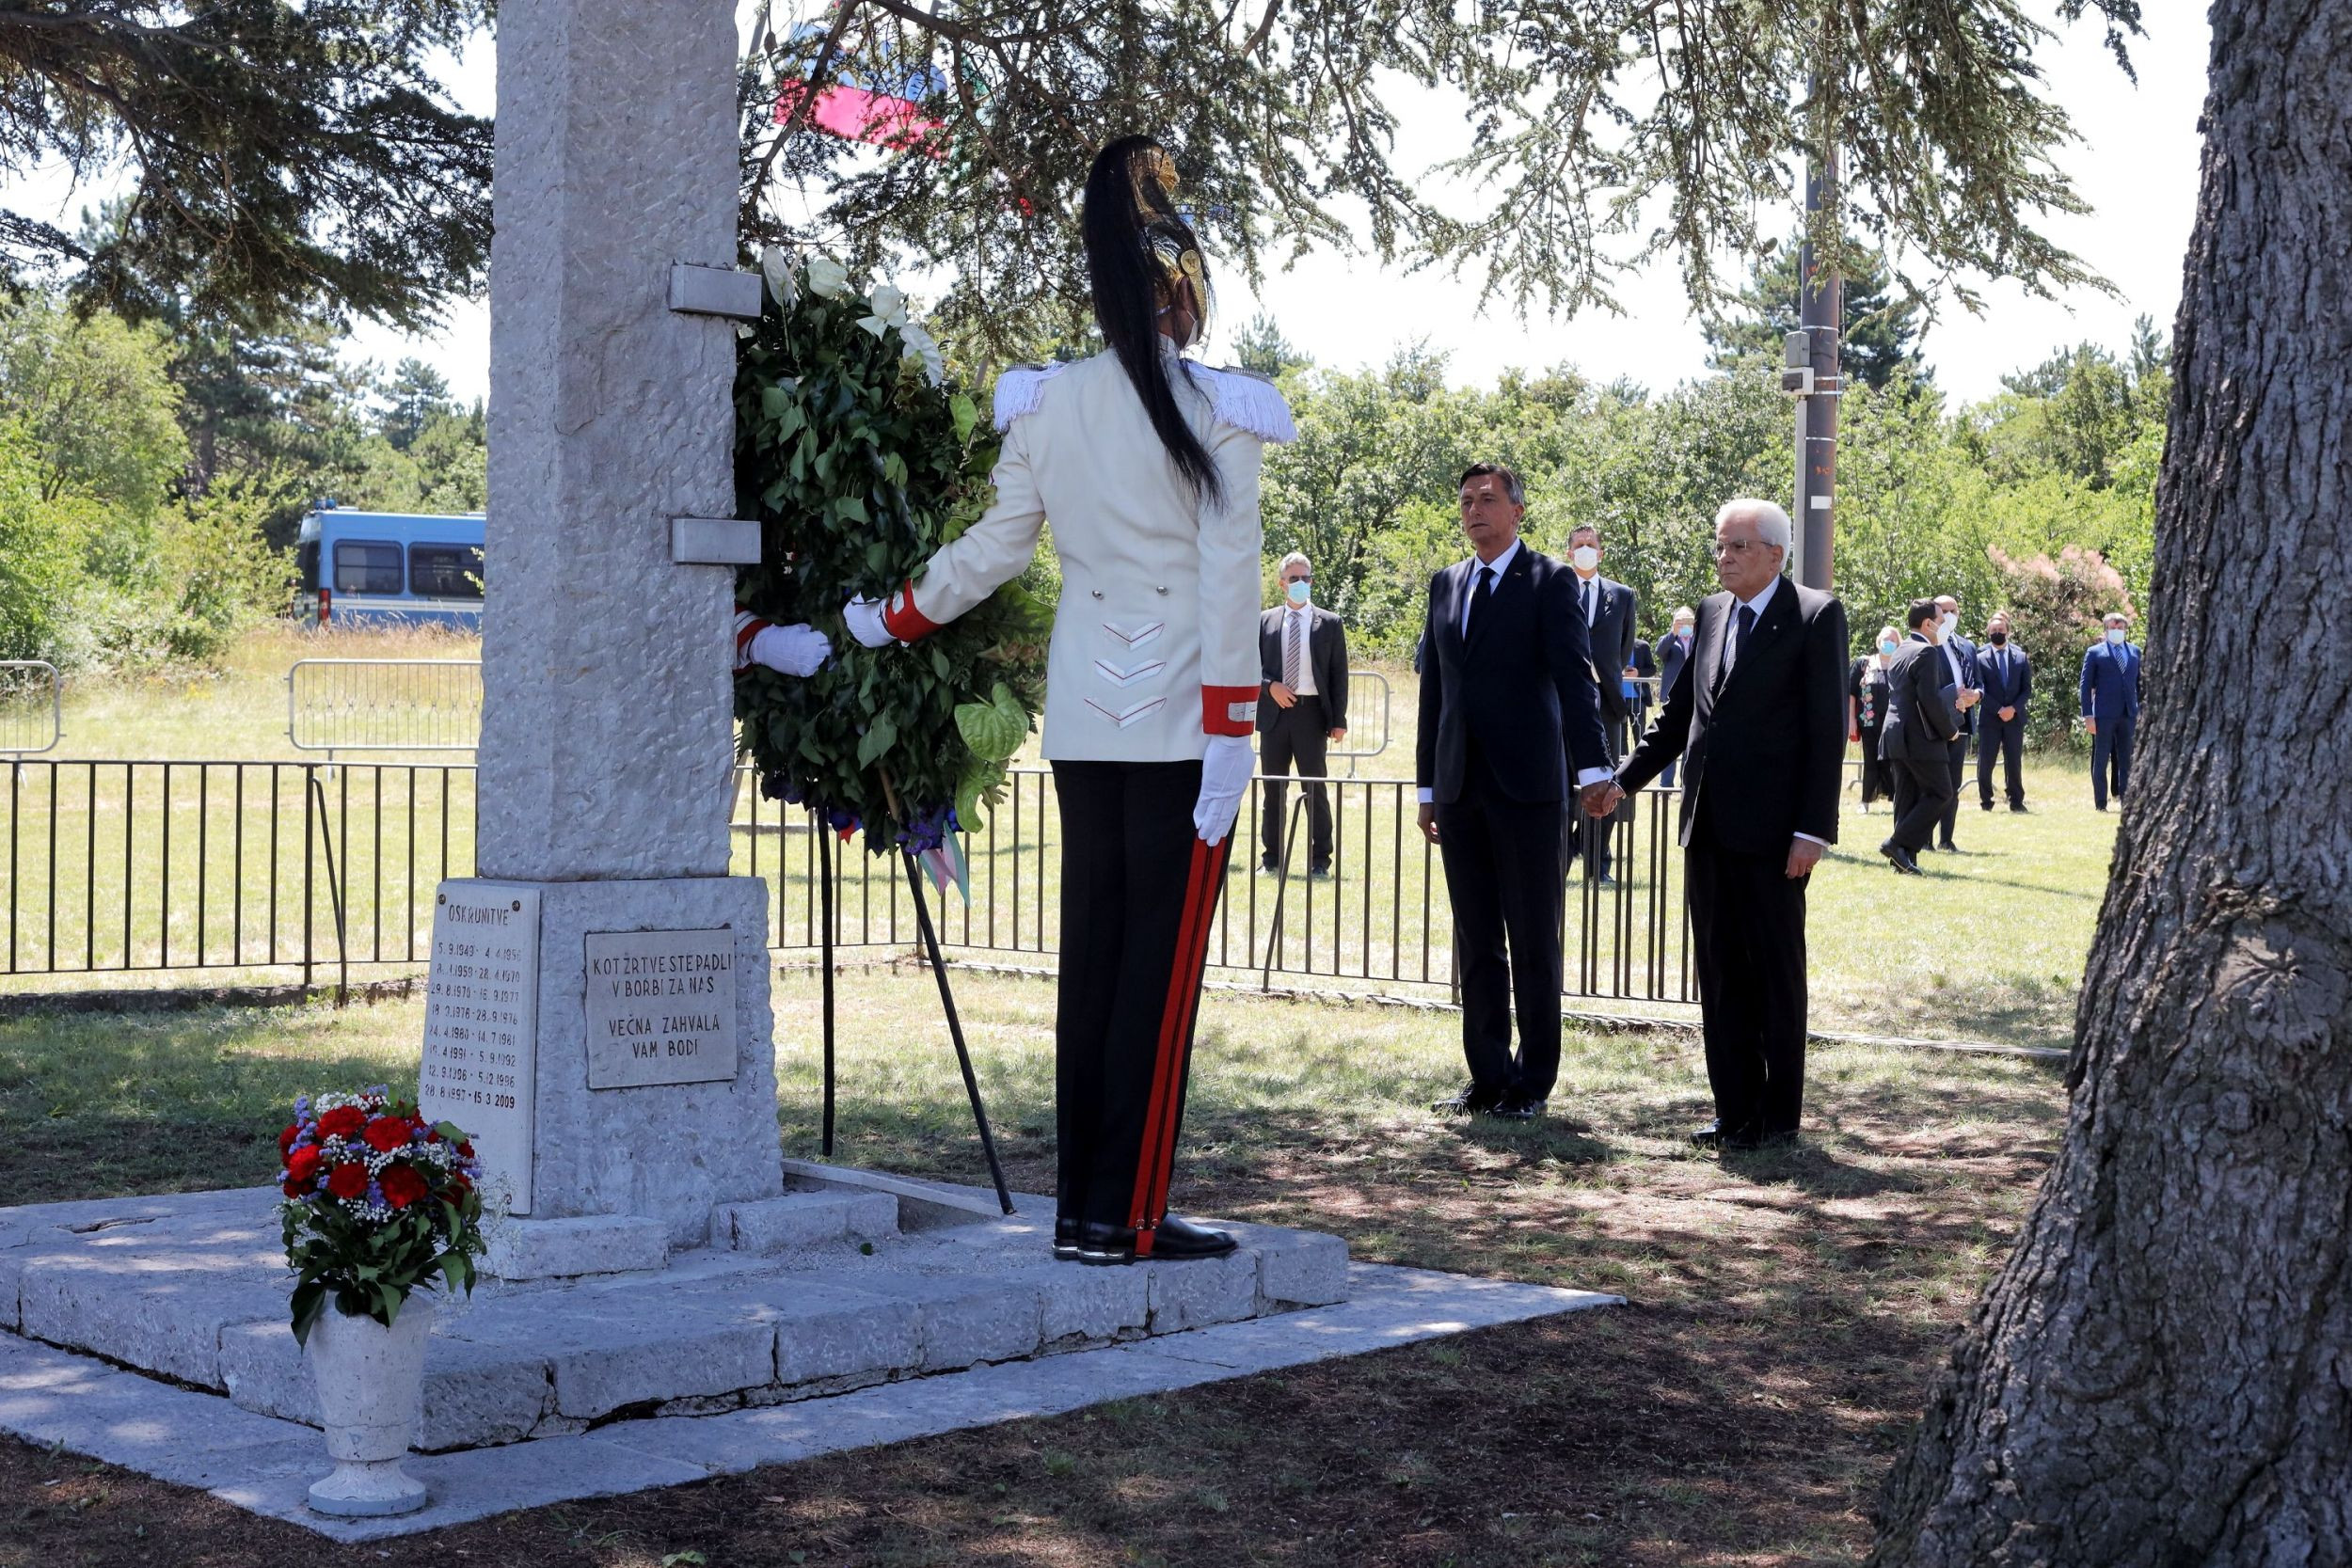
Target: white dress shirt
pixel 1498 565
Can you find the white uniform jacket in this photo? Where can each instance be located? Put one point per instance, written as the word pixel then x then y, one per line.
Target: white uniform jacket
pixel 1155 640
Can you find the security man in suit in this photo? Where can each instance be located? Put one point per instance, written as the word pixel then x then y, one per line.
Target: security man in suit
pixel 2008 681
pixel 1302 709
pixel 1672 652
pixel 1148 467
pixel 1925 705
pixel 1509 716
pixel 1960 655
pixel 1759 715
pixel 2110 704
pixel 1609 609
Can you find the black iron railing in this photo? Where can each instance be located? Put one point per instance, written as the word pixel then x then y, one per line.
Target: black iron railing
pixel 139 867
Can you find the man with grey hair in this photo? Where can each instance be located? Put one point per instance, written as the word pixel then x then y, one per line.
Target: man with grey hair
pixel 1302 659
pixel 1758 717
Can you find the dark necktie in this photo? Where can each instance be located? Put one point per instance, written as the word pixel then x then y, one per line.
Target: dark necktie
pixel 1479 595
pixel 1744 624
pixel 1294 660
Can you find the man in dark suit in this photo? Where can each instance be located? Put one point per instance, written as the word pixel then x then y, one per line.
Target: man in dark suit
pixel 2110 702
pixel 1925 705
pixel 1509 714
pixel 1302 656
pixel 1673 651
pixel 1759 717
pixel 1962 655
pixel 1609 609
pixel 2008 681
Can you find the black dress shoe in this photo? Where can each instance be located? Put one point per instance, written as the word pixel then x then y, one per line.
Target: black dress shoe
pixel 2020 809
pixel 1713 1137
pixel 1604 879
pixel 1986 804
pixel 1066 1239
pixel 1516 1106
pixel 1473 1098
pixel 1901 858
pixel 1179 1238
pixel 1174 1238
pixel 1948 845
pixel 1271 868
pixel 1320 871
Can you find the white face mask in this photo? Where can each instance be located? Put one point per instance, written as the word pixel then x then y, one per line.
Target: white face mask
pixel 1946 622
pixel 2115 637
pixel 1585 557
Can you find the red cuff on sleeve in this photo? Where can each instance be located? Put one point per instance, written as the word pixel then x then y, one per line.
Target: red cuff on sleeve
pixel 901 620
pixel 1228 709
pixel 747 626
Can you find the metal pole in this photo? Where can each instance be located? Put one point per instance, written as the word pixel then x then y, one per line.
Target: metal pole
pixel 824 950
pixel 1821 302
pixel 955 1026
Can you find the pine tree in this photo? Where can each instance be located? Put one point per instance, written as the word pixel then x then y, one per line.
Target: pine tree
pixel 282 157
pixel 1881 331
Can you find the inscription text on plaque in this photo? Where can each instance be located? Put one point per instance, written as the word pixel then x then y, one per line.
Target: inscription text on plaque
pixel 660 1008
pixel 482 1027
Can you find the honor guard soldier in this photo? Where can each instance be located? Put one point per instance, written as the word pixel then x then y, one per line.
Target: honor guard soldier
pixel 1147 464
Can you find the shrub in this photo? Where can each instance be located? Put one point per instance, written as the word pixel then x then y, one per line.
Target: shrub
pixel 2055 607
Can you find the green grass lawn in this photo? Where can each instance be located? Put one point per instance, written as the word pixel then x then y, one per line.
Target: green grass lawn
pixel 1787 1306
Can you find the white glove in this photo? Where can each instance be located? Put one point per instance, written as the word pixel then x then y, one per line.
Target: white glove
pixel 864 618
pixel 795 650
pixel 1225 769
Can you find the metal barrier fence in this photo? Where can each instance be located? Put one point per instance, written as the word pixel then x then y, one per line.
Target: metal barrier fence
pixel 32 706
pixel 140 867
pixel 384 705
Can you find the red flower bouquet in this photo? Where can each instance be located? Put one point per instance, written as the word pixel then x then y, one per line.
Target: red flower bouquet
pixel 379 1202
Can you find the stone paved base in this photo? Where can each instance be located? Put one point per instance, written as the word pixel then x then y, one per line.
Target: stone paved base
pixel 266 1465
pixel 811 1322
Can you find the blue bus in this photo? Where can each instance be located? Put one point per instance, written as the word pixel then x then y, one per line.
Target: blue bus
pixel 388 568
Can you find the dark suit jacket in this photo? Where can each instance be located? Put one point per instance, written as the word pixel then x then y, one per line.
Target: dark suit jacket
pixel 1522 684
pixel 1327 658
pixel 1773 741
pixel 1645 664
pixel 2008 688
pixel 2111 683
pixel 1921 721
pixel 1611 638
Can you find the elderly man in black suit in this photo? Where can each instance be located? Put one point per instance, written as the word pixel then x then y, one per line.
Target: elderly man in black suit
pixel 1758 717
pixel 1509 716
pixel 1609 608
pixel 1302 658
pixel 1960 655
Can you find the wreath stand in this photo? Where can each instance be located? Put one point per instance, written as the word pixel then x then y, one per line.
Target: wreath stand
pixel 946 998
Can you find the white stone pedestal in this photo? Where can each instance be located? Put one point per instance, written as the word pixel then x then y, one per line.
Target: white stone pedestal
pixel 665 1152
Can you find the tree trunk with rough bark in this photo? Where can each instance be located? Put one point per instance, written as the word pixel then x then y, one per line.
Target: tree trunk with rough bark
pixel 2162 1373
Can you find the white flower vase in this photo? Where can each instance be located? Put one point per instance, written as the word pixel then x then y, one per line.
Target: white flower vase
pixel 371 1382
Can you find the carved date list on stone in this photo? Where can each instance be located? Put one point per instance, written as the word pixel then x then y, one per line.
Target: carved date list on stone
pixel 482 1027
pixel 660 1008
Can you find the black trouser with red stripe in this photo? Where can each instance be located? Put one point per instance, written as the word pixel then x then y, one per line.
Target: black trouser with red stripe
pixel 1139 891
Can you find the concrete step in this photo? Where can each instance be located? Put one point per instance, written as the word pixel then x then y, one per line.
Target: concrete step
pixel 770 1226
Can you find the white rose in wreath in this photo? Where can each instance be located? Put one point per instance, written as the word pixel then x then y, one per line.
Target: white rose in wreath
pixel 921 346
pixel 828 277
pixel 890 309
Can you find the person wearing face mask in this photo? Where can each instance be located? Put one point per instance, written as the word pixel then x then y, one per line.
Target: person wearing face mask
pixel 2110 704
pixel 2007 679
pixel 1672 652
pixel 1865 712
pixel 1609 609
pixel 1147 466
pixel 1960 655
pixel 1302 655
pixel 1925 705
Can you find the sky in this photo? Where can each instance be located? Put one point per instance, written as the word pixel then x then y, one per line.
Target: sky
pixel 2136 163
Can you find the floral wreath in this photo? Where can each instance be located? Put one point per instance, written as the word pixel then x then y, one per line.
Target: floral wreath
pixel 861 457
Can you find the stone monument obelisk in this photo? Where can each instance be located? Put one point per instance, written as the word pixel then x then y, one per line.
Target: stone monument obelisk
pixel 647 1094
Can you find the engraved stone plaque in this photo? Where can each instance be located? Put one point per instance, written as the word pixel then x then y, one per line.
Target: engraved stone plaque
pixel 482 1028
pixel 660 1008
